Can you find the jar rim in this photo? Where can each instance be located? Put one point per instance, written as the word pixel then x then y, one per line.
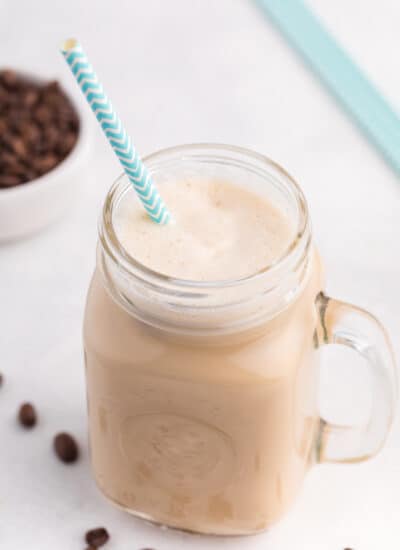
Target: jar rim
pixel 128 263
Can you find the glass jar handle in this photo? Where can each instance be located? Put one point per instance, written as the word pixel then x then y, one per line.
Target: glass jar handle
pixel 347 325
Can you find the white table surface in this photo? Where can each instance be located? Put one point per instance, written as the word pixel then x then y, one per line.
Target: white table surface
pixel 185 71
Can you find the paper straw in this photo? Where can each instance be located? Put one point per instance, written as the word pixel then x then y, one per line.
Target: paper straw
pixel 116 134
pixel 339 72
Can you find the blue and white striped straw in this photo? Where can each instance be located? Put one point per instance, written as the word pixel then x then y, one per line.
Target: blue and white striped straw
pixel 115 132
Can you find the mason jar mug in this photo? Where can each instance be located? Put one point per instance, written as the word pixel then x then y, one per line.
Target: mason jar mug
pixel 203 396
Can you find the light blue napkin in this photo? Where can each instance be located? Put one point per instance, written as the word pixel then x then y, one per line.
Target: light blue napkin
pixel 339 73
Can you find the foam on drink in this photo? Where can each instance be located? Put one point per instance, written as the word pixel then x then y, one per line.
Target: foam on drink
pixel 220 231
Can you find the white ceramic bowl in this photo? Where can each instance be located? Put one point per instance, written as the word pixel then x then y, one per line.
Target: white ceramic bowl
pixel 29 207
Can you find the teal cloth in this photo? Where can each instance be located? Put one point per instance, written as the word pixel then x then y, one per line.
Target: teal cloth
pixel 340 74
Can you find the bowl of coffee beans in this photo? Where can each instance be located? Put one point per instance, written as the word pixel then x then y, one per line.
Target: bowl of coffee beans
pixel 43 152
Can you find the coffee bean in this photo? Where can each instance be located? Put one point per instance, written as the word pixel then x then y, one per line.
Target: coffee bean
pixel 4 94
pixel 65 113
pixel 74 125
pixel 53 87
pixel 66 447
pixel 9 78
pixel 8 161
pixel 51 136
pixel 9 180
pixel 27 174
pixel 45 163
pixel 38 128
pixel 27 415
pixel 66 143
pixel 97 537
pixel 31 132
pixel 13 163
pixel 19 147
pixel 29 97
pixel 17 169
pixel 17 116
pixel 38 148
pixel 42 114
pixel 7 138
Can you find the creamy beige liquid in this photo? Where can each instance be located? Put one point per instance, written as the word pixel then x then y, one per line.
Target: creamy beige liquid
pixel 211 435
pixel 220 231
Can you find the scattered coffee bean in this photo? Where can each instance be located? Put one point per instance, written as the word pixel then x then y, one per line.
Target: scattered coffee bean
pixel 97 537
pixel 38 128
pixel 66 447
pixel 27 415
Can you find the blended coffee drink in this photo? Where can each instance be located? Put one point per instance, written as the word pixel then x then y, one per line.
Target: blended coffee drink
pixel 220 231
pixel 200 342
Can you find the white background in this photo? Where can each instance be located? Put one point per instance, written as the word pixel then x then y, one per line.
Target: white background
pixel 185 71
